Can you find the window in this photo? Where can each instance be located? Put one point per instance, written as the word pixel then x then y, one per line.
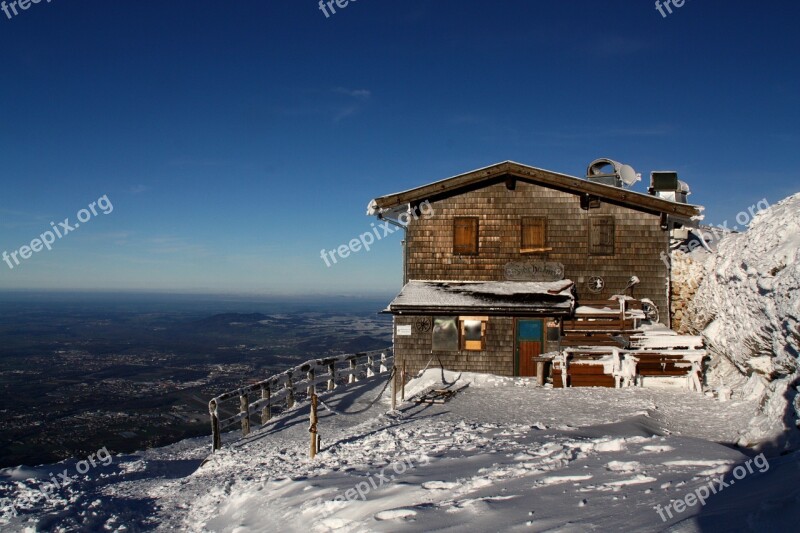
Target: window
pixel 451 334
pixel 465 236
pixel 445 334
pixel 534 235
pixel 601 235
pixel 473 333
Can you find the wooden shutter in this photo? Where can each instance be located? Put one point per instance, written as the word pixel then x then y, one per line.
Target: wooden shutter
pixel 465 235
pixel 601 235
pixel 534 234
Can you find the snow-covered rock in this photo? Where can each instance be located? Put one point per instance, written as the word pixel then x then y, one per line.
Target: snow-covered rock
pixel 748 309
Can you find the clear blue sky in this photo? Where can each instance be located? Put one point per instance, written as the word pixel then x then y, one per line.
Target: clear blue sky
pixel 235 140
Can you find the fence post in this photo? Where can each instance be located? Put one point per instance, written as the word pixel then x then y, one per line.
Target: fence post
pixel 370 366
pixel 216 439
pixel 394 389
pixel 383 363
pixel 289 390
pixel 312 428
pixel 244 409
pixel 266 411
pixel 353 367
pixel 332 379
pixel 312 387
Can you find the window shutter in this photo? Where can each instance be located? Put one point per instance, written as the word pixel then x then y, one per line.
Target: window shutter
pixel 534 234
pixel 465 235
pixel 601 235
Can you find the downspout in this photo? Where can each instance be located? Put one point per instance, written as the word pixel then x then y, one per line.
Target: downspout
pixel 402 243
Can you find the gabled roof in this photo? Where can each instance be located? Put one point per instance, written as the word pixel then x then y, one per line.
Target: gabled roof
pixel 506 170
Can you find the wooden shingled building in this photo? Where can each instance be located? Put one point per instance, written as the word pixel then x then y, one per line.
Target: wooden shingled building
pixel 510 262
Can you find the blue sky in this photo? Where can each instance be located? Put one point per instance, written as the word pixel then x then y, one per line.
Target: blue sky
pixel 235 140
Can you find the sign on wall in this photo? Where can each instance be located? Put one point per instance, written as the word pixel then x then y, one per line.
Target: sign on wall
pixel 404 331
pixel 535 271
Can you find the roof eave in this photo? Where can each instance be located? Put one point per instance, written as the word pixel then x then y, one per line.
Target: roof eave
pixel 453 185
pixel 495 311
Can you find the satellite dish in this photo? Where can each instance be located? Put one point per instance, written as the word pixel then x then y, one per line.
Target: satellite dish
pixel 628 175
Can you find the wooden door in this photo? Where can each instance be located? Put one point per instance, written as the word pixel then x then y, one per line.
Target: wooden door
pixel 529 345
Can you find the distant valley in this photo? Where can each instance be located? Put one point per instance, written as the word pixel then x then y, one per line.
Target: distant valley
pixel 77 377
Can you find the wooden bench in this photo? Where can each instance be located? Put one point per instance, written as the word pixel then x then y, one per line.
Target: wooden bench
pixel 613 367
pixel 658 363
pixel 584 368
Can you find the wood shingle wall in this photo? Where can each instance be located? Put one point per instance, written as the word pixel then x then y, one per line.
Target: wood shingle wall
pixel 638 243
pixel 415 350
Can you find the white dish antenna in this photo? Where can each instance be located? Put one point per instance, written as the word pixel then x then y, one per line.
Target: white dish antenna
pixel 628 175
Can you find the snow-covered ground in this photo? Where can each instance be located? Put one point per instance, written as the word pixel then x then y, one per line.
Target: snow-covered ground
pixel 503 455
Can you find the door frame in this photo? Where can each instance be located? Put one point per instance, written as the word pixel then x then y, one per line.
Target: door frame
pixel 542 321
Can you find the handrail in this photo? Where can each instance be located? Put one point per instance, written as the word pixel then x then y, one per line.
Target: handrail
pixel 303 379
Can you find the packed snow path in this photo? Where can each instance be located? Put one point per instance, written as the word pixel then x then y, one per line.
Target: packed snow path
pixel 503 455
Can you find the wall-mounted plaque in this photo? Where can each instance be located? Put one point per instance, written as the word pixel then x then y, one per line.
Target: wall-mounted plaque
pixel 404 331
pixel 535 271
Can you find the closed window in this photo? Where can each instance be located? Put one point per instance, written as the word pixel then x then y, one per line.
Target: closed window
pixel 465 236
pixel 445 334
pixel 601 235
pixel 534 235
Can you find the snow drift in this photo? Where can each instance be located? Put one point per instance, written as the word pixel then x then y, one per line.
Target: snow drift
pixel 748 308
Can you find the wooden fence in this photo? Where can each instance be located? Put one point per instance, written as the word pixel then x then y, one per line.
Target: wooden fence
pixel 261 400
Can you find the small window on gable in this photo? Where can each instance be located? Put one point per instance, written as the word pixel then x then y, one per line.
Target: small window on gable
pixel 534 235
pixel 601 235
pixel 445 334
pixel 473 332
pixel 465 236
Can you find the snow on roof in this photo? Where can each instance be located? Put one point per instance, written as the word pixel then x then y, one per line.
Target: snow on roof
pixel 485 296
